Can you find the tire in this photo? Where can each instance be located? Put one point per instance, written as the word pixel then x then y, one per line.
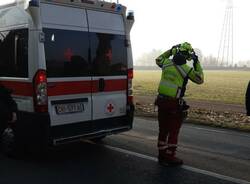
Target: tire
pixel 8 142
pixel 98 139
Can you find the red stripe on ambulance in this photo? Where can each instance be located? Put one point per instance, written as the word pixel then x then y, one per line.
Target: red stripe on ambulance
pixel 78 87
pixel 111 85
pixel 19 88
pixel 68 88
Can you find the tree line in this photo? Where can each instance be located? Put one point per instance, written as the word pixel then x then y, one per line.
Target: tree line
pixel 148 60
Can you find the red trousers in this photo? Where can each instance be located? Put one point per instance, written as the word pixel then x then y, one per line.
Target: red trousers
pixel 170 120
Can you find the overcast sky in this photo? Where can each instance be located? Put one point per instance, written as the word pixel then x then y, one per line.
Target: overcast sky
pixel 163 23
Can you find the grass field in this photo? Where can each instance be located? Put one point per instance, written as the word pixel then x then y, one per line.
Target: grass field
pixel 220 86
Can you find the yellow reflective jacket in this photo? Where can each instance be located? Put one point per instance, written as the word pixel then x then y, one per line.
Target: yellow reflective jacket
pixel 174 77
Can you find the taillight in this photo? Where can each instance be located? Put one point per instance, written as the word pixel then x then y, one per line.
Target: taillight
pixel 130 86
pixel 40 91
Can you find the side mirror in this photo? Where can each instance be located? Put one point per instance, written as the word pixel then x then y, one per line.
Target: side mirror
pixel 247 99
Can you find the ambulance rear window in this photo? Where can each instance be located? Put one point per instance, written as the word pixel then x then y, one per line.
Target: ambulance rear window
pixel 66 53
pixel 76 53
pixel 109 54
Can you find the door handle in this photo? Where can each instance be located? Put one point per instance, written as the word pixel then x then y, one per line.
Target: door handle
pixel 101 84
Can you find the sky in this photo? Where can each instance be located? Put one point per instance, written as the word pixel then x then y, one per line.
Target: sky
pixel 160 24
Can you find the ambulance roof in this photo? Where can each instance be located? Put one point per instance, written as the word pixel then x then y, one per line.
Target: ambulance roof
pixel 107 6
pixel 102 5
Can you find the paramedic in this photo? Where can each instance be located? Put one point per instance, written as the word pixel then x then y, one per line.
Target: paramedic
pixel 172 109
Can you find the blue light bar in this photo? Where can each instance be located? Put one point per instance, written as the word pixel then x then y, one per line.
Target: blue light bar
pixel 118 7
pixel 34 3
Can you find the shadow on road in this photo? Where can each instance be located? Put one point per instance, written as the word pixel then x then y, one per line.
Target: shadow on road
pixel 90 163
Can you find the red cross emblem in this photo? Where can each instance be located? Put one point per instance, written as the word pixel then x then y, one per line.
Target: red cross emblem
pixel 110 108
pixel 68 54
pixel 109 54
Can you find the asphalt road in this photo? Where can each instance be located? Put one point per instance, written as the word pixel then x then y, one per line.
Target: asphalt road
pixel 210 155
pixel 220 151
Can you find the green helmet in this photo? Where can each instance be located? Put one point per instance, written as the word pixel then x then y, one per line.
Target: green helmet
pixel 186 47
pixel 187 50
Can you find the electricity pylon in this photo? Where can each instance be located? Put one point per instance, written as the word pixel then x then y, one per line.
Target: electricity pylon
pixel 226 49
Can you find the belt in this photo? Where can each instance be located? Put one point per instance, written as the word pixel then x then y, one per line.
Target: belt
pixel 165 97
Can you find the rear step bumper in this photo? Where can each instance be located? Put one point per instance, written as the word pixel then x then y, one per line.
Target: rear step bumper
pixel 91 135
pixel 35 128
pixel 89 129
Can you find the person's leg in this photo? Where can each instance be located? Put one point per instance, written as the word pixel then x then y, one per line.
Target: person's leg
pixel 174 130
pixel 172 141
pixel 169 126
pixel 163 130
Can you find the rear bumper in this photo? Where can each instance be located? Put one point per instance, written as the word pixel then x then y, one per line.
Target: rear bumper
pixel 100 133
pixel 35 128
pixel 90 129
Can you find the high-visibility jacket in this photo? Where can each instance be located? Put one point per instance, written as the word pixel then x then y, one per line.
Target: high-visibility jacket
pixel 174 77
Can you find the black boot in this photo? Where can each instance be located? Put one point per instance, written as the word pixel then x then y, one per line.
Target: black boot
pixel 167 157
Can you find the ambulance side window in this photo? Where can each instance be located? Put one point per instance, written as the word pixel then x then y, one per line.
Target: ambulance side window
pixel 14 53
pixel 109 54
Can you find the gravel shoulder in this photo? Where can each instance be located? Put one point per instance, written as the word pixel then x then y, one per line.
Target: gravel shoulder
pixel 216 114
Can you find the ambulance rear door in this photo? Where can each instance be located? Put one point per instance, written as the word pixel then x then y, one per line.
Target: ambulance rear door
pixel 67 62
pixel 109 64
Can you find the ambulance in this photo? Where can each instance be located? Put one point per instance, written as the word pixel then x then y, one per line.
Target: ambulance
pixel 69 65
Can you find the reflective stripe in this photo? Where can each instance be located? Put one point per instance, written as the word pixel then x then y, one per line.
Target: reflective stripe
pixel 171 85
pixel 172 145
pixel 163 143
pixel 168 84
pixel 167 65
pixel 162 147
pixel 181 71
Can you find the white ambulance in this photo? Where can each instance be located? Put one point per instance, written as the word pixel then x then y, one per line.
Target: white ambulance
pixel 69 64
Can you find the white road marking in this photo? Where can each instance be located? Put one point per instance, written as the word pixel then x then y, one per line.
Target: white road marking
pixel 209 130
pixel 200 171
pixel 220 131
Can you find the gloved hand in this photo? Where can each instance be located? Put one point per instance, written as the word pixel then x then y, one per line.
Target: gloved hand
pixel 194 57
pixel 158 62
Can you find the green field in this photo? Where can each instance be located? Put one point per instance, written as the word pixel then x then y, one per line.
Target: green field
pixel 220 86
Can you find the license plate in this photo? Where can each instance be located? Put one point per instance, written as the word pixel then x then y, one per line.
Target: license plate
pixel 69 108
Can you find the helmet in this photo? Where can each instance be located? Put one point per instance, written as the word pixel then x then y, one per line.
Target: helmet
pixel 186 47
pixel 187 50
